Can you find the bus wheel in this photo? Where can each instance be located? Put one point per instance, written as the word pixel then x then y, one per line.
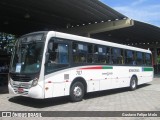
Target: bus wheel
pixel 77 92
pixel 133 83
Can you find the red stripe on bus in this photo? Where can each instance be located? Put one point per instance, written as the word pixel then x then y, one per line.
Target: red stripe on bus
pixel 90 68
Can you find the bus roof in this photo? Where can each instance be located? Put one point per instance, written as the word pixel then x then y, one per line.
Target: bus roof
pixel 100 42
pixel 89 40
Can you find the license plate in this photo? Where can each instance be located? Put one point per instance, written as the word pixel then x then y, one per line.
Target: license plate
pixel 20 90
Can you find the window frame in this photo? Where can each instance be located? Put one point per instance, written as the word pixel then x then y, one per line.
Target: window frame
pixel 67 65
pixel 78 52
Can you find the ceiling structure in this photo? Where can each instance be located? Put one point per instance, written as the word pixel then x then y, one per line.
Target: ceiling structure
pixel 23 16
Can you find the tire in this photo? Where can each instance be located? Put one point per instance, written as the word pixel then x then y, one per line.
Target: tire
pixel 133 83
pixel 77 92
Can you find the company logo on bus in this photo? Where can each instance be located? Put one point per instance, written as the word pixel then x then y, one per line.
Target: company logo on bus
pixel 133 70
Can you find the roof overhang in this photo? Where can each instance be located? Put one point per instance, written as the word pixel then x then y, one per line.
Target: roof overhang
pixel 100 27
pixel 140 34
pixel 86 16
pixel 23 16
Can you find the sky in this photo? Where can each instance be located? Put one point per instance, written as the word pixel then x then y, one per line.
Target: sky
pixel 147 11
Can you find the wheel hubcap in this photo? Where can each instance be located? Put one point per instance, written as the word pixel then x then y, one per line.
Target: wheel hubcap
pixel 77 91
pixel 133 84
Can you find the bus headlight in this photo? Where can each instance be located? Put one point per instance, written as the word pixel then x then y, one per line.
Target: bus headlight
pixel 35 82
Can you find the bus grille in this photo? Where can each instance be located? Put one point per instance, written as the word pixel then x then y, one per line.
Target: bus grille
pixel 25 86
pixel 21 78
pixel 25 92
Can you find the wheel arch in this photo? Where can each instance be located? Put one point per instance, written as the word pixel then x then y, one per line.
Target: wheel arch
pixel 82 80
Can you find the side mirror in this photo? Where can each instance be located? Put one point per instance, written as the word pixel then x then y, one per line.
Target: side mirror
pixel 47 57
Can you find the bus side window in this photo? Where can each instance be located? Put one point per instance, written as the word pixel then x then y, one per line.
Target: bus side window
pixel 117 56
pixel 58 56
pixel 58 53
pixel 101 54
pixel 79 51
pixel 139 58
pixel 63 54
pixel 90 54
pixel 148 59
pixel 130 58
pixel 52 50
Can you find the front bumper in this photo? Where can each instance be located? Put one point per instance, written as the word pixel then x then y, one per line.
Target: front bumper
pixel 33 92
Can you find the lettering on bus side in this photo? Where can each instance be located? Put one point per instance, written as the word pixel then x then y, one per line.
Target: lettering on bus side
pixel 133 70
pixel 108 73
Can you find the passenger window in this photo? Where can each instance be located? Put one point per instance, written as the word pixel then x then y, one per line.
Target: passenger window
pixel 90 58
pixel 148 59
pixel 139 59
pixel 117 56
pixel 130 57
pixel 100 54
pixel 80 52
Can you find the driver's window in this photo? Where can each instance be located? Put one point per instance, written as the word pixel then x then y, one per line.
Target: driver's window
pixel 58 56
pixel 53 50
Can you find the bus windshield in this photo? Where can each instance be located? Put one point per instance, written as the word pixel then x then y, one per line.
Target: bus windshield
pixel 27 55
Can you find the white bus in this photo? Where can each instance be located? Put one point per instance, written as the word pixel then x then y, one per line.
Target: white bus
pixel 50 64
